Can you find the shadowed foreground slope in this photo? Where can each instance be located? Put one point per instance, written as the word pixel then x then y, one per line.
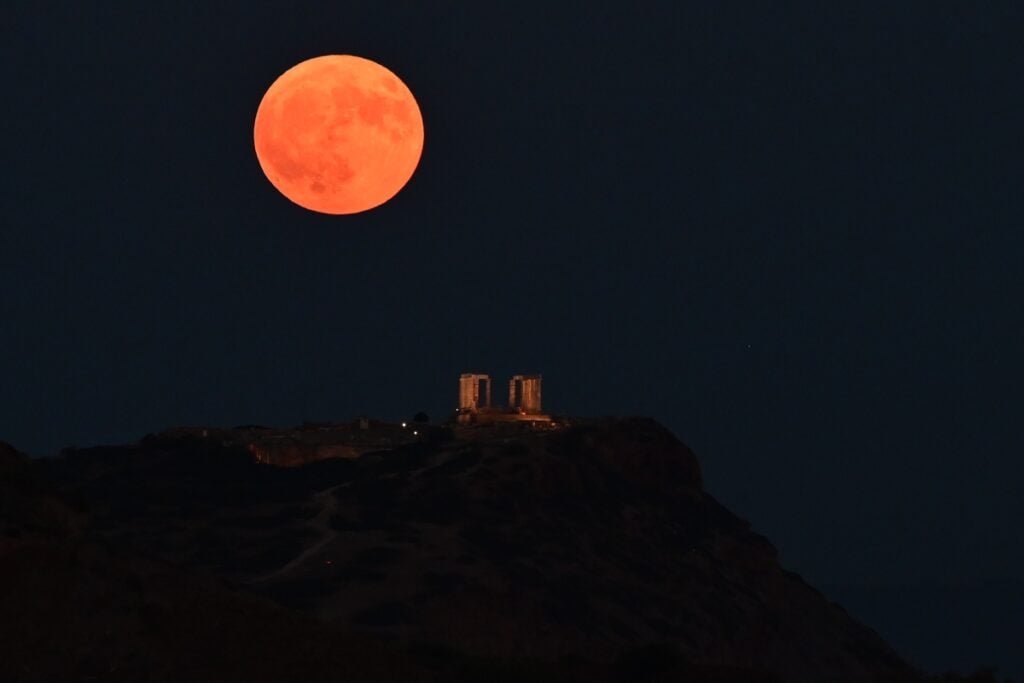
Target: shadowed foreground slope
pixel 589 553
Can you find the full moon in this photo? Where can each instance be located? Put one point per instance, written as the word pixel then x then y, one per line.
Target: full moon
pixel 338 134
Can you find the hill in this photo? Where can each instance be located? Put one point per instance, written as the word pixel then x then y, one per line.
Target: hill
pixel 588 552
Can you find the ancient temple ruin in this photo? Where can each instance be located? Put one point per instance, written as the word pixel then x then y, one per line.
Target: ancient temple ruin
pixel 470 385
pixel 524 394
pixel 524 400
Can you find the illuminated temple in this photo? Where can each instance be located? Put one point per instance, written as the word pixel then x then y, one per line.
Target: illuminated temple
pixel 524 400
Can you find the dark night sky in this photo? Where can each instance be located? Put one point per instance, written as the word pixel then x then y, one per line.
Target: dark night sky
pixel 791 236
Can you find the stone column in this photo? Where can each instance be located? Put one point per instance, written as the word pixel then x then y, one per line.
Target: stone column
pixel 531 394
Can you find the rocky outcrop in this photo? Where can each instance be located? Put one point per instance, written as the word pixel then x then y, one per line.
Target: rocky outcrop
pixel 293 453
pixel 638 449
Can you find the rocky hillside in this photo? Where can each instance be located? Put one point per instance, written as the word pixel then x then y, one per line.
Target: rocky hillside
pixel 589 543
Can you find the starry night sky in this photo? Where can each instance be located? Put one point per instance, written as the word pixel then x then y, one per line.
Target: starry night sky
pixel 791 236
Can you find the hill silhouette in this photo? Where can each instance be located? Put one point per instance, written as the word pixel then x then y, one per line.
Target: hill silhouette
pixel 585 553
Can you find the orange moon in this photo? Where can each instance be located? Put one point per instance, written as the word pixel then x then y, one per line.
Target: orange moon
pixel 338 134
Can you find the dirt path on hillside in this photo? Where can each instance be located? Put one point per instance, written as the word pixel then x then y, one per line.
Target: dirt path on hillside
pixel 322 523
